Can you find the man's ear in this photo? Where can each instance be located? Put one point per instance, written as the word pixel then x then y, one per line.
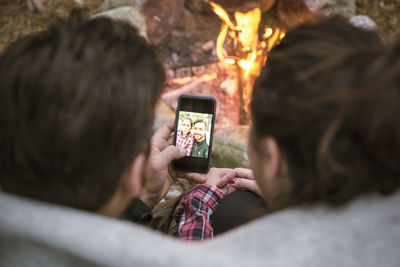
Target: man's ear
pixel 128 188
pixel 274 177
pixel 133 178
pixel 272 157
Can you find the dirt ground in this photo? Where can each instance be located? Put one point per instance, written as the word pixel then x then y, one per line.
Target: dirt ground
pixel 18 18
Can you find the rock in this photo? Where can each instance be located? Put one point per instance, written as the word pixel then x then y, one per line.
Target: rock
pixel 230 148
pixel 208 46
pixel 346 8
pixel 162 17
pixel 229 87
pixel 245 6
pixel 163 114
pixel 188 22
pixel 173 192
pixel 110 4
pixel 196 6
pixel 293 13
pixel 129 14
pixel 36 5
pixel 364 22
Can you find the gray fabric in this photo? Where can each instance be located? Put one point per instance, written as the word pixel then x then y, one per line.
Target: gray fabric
pixel 365 233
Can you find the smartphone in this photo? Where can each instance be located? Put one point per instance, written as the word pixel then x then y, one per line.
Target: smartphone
pixel 194 130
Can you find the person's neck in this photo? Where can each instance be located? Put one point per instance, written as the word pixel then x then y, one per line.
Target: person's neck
pixel 116 205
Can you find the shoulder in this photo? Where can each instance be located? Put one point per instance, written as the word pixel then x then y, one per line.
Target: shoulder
pixel 366 232
pixel 92 240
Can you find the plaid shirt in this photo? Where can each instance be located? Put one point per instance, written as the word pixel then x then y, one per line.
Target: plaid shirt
pixel 185 142
pixel 194 210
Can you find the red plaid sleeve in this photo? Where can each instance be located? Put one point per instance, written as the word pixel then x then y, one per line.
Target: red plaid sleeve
pixel 185 142
pixel 194 210
pixel 189 144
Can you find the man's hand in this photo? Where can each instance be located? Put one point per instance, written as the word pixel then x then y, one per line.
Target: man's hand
pixel 158 173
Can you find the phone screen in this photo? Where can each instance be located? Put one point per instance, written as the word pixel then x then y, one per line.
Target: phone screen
pixel 194 128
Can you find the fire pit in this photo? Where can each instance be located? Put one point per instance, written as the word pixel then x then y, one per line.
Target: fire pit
pixel 241 49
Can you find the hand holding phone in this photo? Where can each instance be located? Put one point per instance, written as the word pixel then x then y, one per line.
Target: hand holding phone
pixel 158 175
pixel 194 129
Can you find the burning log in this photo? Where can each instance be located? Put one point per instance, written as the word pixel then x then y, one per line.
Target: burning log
pixel 190 83
pixel 243 112
pixel 245 6
pixel 240 46
pixel 246 37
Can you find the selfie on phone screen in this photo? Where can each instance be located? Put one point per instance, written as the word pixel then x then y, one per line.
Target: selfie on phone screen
pixel 194 126
pixel 194 133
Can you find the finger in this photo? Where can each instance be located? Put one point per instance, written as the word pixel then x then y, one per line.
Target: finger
pixel 230 189
pixel 165 157
pixel 244 173
pixel 220 172
pixel 195 177
pixel 225 179
pixel 164 132
pixel 224 171
pixel 170 140
pixel 246 184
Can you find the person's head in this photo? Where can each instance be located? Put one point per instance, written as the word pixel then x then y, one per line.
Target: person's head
pixel 186 125
pixel 76 112
pixel 325 116
pixel 199 130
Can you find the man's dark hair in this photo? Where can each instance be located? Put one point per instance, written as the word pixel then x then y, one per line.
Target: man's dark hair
pixel 329 95
pixel 77 106
pixel 200 121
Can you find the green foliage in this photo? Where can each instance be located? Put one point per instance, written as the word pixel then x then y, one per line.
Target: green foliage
pixel 196 116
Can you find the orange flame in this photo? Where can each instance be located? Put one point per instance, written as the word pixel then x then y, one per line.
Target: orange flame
pixel 245 39
pixel 248 51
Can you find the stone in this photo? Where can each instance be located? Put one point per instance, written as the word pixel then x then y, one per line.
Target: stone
pixel 230 148
pixel 245 6
pixel 293 13
pixel 364 22
pixel 111 4
pixel 162 17
pixel 346 8
pixel 129 14
pixel 229 87
pixel 163 114
pixel 196 6
pixel 36 5
pixel 208 46
pixel 188 22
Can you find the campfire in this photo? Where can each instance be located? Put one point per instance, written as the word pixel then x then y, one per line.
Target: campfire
pixel 241 50
pixel 239 45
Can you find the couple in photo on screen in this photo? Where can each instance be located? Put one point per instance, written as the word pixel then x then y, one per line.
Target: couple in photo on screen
pixel 192 137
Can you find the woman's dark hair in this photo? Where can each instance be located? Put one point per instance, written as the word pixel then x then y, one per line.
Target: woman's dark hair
pixel 330 96
pixel 188 119
pixel 76 107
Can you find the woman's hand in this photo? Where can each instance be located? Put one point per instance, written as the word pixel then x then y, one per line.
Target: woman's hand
pixel 214 177
pixel 239 179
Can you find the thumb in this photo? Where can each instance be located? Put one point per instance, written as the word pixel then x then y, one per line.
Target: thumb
pixel 170 153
